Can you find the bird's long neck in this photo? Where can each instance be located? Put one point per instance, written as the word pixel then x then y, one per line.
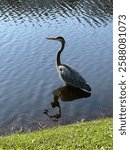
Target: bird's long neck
pixel 58 62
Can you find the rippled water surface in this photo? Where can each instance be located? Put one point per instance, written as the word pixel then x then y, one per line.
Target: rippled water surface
pixel 30 88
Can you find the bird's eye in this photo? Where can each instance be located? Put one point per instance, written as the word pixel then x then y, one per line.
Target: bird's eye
pixel 60 69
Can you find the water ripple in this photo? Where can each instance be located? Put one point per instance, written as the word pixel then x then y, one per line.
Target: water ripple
pixel 93 12
pixel 27 60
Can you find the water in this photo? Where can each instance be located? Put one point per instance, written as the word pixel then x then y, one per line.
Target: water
pixel 28 78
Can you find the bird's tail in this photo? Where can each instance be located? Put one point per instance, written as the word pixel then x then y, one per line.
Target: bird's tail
pixel 86 87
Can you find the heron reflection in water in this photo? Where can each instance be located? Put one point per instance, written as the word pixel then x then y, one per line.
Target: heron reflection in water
pixel 65 93
pixel 67 73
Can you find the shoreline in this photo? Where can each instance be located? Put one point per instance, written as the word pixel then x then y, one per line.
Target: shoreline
pixel 30 125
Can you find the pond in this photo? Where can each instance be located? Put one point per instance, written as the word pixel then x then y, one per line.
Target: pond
pixel 30 88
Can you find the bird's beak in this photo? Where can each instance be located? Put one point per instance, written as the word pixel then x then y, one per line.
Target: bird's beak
pixel 51 38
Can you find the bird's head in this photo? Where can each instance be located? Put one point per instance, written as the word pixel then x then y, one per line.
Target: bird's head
pixel 59 38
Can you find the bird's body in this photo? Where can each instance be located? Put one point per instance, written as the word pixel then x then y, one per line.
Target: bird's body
pixel 72 77
pixel 67 73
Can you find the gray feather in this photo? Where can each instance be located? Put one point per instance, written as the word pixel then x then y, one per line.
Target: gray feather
pixel 72 77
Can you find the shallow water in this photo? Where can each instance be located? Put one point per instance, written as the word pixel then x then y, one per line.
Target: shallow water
pixel 28 77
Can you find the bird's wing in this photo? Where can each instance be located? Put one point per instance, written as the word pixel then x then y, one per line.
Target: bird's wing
pixel 72 77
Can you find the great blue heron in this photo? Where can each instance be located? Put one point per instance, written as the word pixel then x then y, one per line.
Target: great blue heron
pixel 67 73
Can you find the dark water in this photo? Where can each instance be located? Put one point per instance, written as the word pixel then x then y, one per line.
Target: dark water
pixel 30 88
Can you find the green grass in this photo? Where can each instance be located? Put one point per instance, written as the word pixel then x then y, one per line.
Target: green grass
pixel 93 135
